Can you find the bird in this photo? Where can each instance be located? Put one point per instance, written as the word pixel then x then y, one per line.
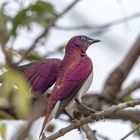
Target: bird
pixel 73 80
pixel 41 75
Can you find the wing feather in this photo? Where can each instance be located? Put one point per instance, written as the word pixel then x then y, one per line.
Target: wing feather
pixel 70 81
pixel 42 74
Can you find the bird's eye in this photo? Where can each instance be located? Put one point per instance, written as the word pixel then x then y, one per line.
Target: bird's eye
pixel 83 38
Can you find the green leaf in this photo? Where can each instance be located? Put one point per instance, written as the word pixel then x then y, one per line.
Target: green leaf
pixel 3 131
pixel 4 115
pixel 39 12
pixel 41 6
pixel 61 48
pixel 33 57
pixel 4 31
pixel 18 20
pixel 21 98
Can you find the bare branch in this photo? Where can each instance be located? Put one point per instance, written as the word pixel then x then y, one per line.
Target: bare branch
pixel 116 78
pixel 6 51
pixel 101 136
pixel 38 108
pixel 96 116
pixel 123 93
pixel 98 102
pixel 131 132
pixel 49 25
pixel 89 133
pixel 99 27
pixel 127 115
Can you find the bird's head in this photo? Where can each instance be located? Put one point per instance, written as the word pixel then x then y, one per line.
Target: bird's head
pixel 82 42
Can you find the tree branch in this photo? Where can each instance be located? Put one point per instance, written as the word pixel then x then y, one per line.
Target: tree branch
pixel 99 27
pixel 49 25
pixel 131 132
pixel 89 133
pixel 128 90
pixel 96 116
pixel 37 110
pixel 101 136
pixel 114 81
pixel 6 51
pixel 96 102
pixel 127 115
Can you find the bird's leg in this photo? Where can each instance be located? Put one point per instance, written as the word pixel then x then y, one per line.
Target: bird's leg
pixel 71 117
pixel 83 105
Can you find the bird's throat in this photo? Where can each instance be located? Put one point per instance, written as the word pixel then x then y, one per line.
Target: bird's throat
pixel 74 52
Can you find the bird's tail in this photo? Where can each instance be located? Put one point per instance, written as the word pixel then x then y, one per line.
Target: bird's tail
pixel 51 113
pixel 45 122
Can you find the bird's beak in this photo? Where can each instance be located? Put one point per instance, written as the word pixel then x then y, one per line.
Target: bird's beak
pixel 91 41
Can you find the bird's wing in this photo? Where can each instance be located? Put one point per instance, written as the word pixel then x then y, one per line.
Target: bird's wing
pixel 71 81
pixel 42 74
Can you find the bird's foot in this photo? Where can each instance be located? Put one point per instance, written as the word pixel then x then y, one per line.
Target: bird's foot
pixel 85 106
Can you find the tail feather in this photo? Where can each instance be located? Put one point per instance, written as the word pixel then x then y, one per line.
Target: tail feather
pixel 49 116
pixel 45 122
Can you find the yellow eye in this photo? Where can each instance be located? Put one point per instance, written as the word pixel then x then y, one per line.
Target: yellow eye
pixel 83 38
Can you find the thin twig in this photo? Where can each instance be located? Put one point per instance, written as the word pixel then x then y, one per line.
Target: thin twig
pixel 89 133
pixel 99 27
pixel 101 136
pixel 6 51
pixel 131 132
pixel 128 90
pixel 37 110
pixel 119 74
pixel 49 25
pixel 127 115
pixel 93 117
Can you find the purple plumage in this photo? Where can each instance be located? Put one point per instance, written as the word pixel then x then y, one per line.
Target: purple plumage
pixel 41 75
pixel 75 70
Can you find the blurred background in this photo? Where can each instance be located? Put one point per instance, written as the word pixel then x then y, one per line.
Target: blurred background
pixel 22 24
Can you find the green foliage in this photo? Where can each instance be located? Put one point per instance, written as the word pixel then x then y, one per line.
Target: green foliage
pixel 15 90
pixel 32 56
pixel 61 48
pixel 4 19
pixel 3 131
pixel 128 98
pixel 19 19
pixel 39 12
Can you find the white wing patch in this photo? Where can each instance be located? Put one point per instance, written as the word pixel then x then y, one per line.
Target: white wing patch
pixel 85 87
pixel 82 91
pixel 52 115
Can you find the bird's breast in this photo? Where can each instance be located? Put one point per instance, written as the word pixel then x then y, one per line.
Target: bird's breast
pixel 82 91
